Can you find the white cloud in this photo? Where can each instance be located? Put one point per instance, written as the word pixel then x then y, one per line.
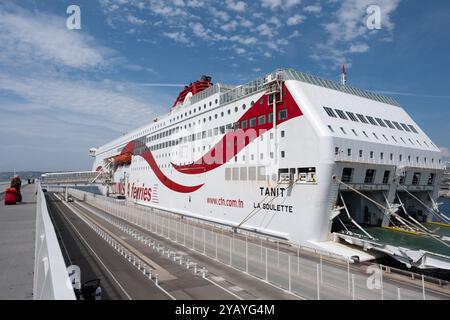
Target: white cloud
pixel 351 18
pixel 177 36
pixel 108 101
pixel 291 3
pixel 238 6
pixel 231 26
pixel 348 28
pixel 219 14
pixel 240 50
pixel 272 4
pixel 359 48
pixel 26 38
pixel 135 20
pixel 313 8
pixel 295 20
pixel 265 30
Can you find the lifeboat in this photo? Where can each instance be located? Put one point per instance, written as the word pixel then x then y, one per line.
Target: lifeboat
pixel 194 88
pixel 122 159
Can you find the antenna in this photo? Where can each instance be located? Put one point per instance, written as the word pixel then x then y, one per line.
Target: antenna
pixel 344 76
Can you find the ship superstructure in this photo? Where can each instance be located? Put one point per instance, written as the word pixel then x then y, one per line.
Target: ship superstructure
pixel 290 156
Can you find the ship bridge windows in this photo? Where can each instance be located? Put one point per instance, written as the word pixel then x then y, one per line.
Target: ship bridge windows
pixel 341 114
pixel 330 112
pixel 372 121
pixel 352 116
pixel 361 118
pixel 405 127
pixel 390 125
pixel 252 122
pixel 397 125
pixel 412 128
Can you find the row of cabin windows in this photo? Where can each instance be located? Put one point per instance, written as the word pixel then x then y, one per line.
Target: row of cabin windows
pixel 203 135
pixel 357 117
pixel 347 177
pixel 195 110
pixel 378 138
pixel 244 124
pixel 179 117
pixel 337 151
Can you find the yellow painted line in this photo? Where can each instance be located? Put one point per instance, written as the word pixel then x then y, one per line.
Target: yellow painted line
pixel 402 230
pixel 442 224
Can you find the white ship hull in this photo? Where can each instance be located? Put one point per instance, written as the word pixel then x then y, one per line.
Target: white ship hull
pixel 280 183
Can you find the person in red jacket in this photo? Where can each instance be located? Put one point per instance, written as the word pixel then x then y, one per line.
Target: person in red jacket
pixel 17 183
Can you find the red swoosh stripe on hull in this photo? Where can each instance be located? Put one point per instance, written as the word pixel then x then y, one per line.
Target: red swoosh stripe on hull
pixel 209 161
pixel 137 148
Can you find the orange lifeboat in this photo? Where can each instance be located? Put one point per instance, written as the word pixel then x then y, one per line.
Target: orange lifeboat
pixel 122 159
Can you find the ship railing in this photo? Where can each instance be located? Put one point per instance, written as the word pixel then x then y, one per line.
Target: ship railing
pixel 307 272
pixel 290 74
pixel 51 280
pixel 257 85
pixel 216 88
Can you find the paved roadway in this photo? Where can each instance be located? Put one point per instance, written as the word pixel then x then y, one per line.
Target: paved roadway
pixel 335 280
pixel 225 282
pixel 243 285
pixel 17 238
pixel 123 281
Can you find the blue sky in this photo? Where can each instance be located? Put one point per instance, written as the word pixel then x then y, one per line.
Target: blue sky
pixel 64 91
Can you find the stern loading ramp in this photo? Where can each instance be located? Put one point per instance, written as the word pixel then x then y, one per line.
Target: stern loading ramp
pixel 421 245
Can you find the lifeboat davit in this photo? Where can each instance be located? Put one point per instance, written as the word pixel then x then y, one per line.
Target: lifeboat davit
pixel 194 88
pixel 122 159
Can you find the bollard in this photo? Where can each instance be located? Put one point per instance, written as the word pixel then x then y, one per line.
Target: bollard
pixel 139 264
pixel 174 257
pixel 195 268
pixel 181 260
pixel 204 272
pixel 150 273
pixel 144 270
pixel 157 279
pixel 187 264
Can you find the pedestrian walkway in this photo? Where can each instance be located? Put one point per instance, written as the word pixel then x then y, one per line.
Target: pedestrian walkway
pixel 17 243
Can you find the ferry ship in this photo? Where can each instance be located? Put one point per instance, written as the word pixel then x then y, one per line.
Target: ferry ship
pixel 290 156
